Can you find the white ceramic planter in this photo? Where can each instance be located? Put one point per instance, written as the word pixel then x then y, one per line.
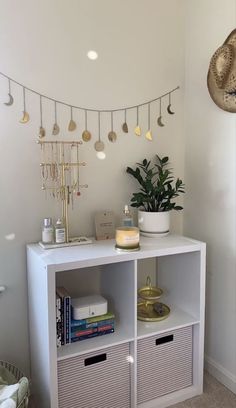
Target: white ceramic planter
pixel 154 224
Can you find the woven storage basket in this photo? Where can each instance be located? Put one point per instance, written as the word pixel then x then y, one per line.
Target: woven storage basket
pixel 18 374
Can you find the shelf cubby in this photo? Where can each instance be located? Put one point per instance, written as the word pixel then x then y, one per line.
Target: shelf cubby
pixel 115 282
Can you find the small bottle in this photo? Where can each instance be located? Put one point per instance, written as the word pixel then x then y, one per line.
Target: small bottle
pixel 127 220
pixel 60 232
pixel 47 231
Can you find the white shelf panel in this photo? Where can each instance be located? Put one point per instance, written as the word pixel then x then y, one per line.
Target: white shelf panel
pixel 96 343
pixel 175 263
pixel 104 252
pixel 176 320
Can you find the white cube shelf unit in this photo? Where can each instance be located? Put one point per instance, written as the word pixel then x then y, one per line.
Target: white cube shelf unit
pixel 112 371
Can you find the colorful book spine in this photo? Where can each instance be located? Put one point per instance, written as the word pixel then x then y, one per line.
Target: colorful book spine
pixel 65 314
pixel 58 320
pixel 91 325
pixel 67 317
pixel 89 336
pixel 95 319
pixel 92 330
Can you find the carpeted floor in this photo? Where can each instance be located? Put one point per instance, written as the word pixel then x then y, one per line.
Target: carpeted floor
pixel 215 396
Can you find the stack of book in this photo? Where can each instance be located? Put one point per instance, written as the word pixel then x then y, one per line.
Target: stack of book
pixel 63 316
pixel 92 327
pixel 70 330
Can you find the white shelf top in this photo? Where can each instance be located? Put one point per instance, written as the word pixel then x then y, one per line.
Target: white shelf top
pixel 104 252
pixel 177 319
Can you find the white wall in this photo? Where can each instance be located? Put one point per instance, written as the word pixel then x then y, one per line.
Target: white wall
pixel 43 45
pixel 210 202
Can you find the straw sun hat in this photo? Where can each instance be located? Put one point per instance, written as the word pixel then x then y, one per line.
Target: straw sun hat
pixel 221 79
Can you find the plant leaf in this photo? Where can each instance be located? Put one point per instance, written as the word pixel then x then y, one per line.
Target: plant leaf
pixel 158 187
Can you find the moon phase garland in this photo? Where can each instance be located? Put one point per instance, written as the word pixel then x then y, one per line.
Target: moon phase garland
pixel 72 125
pixel 25 118
pixel 11 99
pixel 86 135
pixel 137 129
pixel 42 131
pixel 99 145
pixel 55 129
pixel 125 126
pixel 112 135
pixel 159 119
pixel 149 132
pixel 169 106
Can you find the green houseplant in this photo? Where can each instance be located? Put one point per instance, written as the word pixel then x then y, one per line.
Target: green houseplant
pixel 156 196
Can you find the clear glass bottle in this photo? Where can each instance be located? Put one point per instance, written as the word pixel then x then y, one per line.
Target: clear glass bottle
pixel 60 232
pixel 47 231
pixel 127 220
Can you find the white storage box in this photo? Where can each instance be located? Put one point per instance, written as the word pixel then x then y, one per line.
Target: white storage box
pixel 164 363
pixel 88 306
pixel 99 379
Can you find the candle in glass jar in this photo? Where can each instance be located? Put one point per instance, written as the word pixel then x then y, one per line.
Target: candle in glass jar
pixel 127 238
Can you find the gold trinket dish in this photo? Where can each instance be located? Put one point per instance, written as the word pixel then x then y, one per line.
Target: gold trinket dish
pixel 152 312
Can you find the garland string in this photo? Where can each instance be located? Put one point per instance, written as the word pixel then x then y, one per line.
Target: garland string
pixel 90 109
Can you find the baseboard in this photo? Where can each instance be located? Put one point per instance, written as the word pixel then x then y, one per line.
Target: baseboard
pixel 221 374
pixel 172 398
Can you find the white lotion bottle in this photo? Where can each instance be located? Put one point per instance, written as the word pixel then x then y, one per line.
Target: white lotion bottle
pixel 60 232
pixel 47 231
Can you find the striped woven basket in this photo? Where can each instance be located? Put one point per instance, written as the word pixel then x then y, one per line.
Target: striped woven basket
pixel 18 374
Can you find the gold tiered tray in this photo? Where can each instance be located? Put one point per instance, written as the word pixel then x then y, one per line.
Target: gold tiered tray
pixel 150 292
pixel 149 310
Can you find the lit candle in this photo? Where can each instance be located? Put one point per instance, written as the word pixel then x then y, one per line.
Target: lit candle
pixel 127 238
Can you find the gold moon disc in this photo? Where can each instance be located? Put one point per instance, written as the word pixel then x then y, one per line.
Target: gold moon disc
pixel 25 118
pixel 86 136
pixel 112 136
pixel 137 130
pixel 125 128
pixel 149 135
pixel 72 125
pixel 55 129
pixel 99 146
pixel 42 132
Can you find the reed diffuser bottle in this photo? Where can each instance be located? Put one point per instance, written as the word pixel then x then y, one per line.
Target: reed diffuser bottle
pixel 127 220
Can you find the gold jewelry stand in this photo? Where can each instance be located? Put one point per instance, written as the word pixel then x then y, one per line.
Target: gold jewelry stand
pixel 56 165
